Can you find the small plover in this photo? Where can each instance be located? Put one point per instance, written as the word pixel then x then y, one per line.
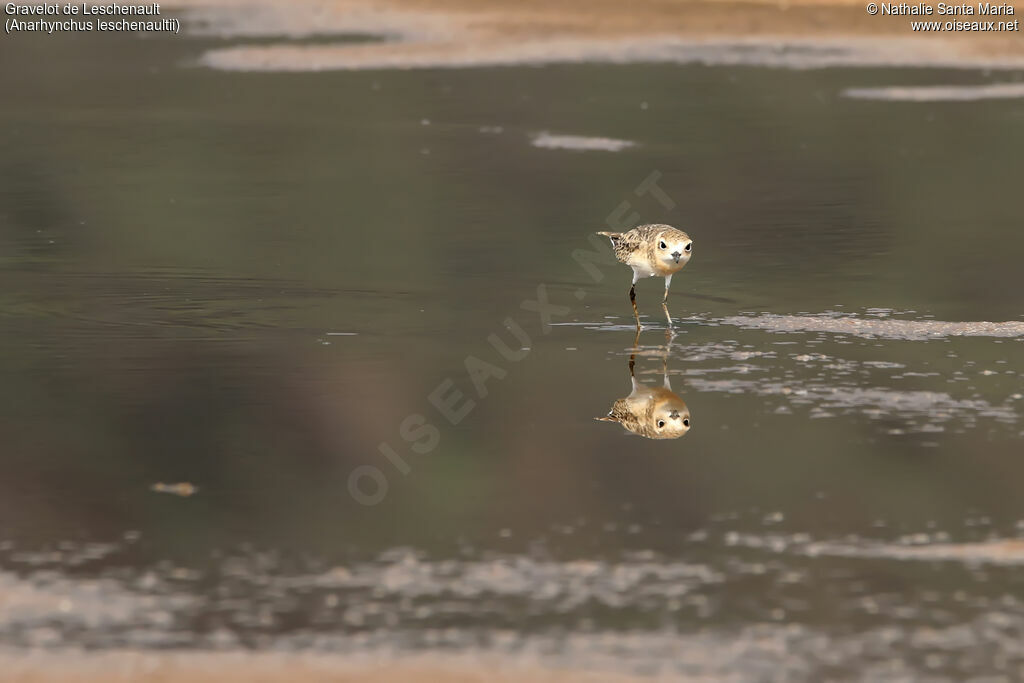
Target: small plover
pixel 652 250
pixel 652 412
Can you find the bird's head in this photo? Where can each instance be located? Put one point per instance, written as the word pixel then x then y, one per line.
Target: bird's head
pixel 673 248
pixel 670 420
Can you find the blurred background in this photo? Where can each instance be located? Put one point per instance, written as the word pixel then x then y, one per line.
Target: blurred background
pixel 237 262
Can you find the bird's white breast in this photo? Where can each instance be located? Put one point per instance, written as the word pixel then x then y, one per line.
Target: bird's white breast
pixel 642 270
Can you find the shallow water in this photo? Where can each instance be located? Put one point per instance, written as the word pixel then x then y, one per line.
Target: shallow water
pixel 249 282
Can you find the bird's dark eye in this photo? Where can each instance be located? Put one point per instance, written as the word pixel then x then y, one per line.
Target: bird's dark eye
pixel 662 245
pixel 688 246
pixel 661 423
pixel 686 423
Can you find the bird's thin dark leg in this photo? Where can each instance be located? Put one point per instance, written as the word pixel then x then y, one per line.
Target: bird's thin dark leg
pixel 632 300
pixel 664 302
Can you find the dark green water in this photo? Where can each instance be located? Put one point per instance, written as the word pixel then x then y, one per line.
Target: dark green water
pixel 249 282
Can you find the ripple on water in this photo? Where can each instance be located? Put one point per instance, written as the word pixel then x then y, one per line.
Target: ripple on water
pixel 889 328
pixel 917 547
pixel 406 608
pixel 939 93
pixel 46 608
pixel 827 385
pixel 933 407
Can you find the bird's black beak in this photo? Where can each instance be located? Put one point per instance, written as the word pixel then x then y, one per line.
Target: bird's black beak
pixel 674 414
pixel 676 255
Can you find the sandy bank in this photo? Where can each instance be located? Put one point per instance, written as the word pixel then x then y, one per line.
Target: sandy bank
pixel 245 667
pixel 464 33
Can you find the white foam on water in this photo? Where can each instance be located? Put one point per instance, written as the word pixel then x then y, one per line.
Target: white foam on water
pixel 579 143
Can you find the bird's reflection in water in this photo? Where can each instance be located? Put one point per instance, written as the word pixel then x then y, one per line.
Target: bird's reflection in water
pixel 653 412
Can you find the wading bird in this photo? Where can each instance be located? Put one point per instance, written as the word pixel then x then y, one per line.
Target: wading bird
pixel 652 250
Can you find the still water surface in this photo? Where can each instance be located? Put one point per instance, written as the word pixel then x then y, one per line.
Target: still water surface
pixel 248 282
